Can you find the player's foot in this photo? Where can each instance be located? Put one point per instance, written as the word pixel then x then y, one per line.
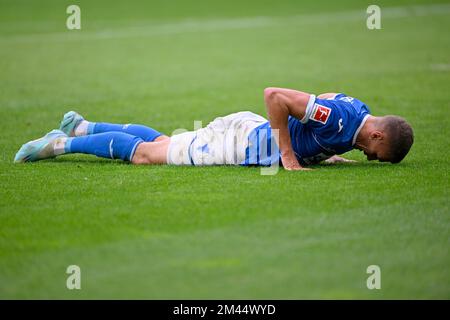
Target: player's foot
pixel 70 123
pixel 43 148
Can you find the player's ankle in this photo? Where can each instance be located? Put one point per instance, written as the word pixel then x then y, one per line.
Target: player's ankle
pixel 84 128
pixel 60 145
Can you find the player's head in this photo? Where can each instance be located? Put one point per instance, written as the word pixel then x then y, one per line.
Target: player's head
pixel 390 139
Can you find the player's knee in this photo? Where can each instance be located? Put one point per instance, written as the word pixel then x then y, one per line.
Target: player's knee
pixel 139 160
pixel 140 155
pixel 161 138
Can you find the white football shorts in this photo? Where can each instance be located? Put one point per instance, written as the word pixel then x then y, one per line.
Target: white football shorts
pixel 223 141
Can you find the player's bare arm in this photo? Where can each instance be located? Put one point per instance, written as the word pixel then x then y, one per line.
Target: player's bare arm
pixel 337 159
pixel 281 103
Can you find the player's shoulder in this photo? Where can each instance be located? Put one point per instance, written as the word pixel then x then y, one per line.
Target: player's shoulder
pixel 325 109
pixel 341 101
pixel 335 119
pixel 339 97
pixel 330 115
pixel 336 96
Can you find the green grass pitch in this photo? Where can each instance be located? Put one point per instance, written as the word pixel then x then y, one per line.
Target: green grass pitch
pixel 221 232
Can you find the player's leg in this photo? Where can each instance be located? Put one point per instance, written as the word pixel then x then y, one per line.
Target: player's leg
pixel 112 145
pixel 73 124
pixel 151 152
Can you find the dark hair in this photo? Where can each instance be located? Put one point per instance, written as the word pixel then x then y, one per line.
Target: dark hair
pixel 400 137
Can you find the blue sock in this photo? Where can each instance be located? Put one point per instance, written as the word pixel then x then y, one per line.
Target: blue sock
pixel 112 145
pixel 145 133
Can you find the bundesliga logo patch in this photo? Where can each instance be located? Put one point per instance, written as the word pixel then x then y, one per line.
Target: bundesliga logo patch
pixel 320 113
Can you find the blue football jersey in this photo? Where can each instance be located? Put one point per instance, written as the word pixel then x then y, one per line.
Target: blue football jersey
pixel 330 126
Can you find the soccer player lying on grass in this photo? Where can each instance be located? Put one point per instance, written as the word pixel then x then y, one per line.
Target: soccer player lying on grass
pixel 310 129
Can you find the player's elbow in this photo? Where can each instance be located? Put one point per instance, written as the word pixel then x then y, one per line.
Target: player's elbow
pixel 270 94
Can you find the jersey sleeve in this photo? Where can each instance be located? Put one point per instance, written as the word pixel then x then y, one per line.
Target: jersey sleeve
pixel 312 99
pixel 324 114
pixel 336 121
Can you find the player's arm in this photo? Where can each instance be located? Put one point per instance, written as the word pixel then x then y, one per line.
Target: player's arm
pixel 337 159
pixel 280 104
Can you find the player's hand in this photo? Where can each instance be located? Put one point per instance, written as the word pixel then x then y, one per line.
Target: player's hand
pixel 290 163
pixel 337 159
